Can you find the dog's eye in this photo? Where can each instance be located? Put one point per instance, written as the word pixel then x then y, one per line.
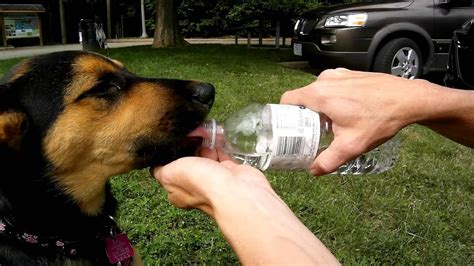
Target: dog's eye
pixel 114 88
pixel 108 91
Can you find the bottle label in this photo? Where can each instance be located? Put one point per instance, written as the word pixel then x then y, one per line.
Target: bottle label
pixel 296 134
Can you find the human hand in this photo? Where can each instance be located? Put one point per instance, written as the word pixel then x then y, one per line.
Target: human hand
pixel 195 182
pixel 366 110
pixel 254 220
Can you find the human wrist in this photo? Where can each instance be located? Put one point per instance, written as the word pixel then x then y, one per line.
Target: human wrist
pixel 262 229
pixel 251 221
pixel 239 195
pixel 440 103
pixel 419 103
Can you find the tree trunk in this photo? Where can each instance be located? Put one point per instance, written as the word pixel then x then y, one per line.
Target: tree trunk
pixel 166 29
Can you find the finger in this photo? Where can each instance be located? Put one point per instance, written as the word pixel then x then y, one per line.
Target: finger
pixel 222 155
pixel 187 169
pixel 306 96
pixel 332 158
pixel 183 200
pixel 157 172
pixel 228 164
pixel 246 169
pixel 294 97
pixel 209 153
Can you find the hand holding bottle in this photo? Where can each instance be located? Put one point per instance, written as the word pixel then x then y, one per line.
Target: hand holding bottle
pixel 366 109
pixel 254 220
pixel 285 137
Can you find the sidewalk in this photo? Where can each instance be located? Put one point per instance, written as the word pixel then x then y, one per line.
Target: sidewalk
pixel 7 53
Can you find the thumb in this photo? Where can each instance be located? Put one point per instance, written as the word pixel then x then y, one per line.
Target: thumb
pixel 156 172
pixel 332 158
pixel 301 96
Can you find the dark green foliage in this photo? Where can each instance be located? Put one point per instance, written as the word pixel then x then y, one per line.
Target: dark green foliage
pixel 225 17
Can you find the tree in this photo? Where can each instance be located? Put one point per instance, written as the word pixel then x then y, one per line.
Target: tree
pixel 167 32
pixel 204 18
pixel 213 18
pixel 269 17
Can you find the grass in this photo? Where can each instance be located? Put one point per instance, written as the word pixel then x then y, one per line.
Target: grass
pixel 421 212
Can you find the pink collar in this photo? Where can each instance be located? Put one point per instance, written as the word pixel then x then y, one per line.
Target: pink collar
pixel 117 246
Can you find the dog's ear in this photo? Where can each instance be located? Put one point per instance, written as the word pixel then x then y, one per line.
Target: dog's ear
pixel 12 118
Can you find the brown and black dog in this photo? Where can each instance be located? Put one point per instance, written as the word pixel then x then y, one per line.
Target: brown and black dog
pixel 68 122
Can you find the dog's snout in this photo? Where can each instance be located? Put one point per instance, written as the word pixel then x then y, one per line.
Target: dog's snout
pixel 203 93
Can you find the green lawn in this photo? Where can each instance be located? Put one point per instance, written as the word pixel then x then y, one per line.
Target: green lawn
pixel 422 211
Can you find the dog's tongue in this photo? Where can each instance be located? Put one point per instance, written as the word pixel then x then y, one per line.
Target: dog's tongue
pixel 199 132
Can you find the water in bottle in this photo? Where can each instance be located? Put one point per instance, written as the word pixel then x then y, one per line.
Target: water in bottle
pixel 287 137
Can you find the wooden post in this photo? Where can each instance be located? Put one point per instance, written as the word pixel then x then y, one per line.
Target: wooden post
pixel 236 38
pixel 248 38
pixel 260 28
pixel 109 20
pixel 2 25
pixel 62 21
pixel 277 34
pixel 40 29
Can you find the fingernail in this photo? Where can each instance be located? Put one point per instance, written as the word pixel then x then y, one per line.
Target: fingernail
pixel 314 172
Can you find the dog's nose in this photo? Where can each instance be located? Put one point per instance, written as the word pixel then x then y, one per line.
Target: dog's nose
pixel 203 93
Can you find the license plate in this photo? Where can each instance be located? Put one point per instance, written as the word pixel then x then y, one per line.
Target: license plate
pixel 298 49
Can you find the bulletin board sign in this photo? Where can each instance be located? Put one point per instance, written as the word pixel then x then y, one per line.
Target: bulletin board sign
pixel 19 21
pixel 21 26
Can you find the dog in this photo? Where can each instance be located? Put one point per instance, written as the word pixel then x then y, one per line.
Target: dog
pixel 68 122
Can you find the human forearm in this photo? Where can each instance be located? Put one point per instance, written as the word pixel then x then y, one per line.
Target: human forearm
pixel 256 222
pixel 450 113
pixel 263 230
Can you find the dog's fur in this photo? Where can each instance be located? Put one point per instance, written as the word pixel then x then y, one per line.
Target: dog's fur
pixel 68 122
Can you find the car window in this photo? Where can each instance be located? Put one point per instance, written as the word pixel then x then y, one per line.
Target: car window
pixel 463 3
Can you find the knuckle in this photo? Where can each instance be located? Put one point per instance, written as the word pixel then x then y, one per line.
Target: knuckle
pixel 327 74
pixel 342 69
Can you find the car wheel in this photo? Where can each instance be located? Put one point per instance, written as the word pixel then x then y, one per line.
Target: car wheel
pixel 315 62
pixel 400 57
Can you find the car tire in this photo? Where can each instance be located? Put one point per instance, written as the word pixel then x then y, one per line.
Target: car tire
pixel 315 62
pixel 400 57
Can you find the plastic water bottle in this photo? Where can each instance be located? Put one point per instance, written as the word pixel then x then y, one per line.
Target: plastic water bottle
pixel 287 137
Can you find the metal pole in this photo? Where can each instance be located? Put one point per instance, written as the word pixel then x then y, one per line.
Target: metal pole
pixel 62 22
pixel 144 35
